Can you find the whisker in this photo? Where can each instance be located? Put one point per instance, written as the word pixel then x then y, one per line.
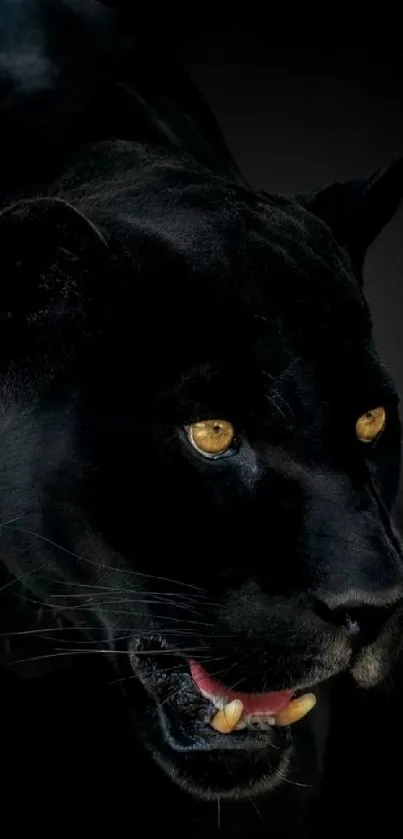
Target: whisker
pixel 120 590
pixel 54 655
pixel 51 608
pixel 74 652
pixel 21 577
pixel 132 612
pixel 144 633
pixel 295 783
pixel 235 684
pixel 162 651
pixel 122 679
pixel 189 633
pixel 12 521
pixel 170 696
pixel 110 568
pixel 49 637
pixel 100 604
pixel 235 663
pixel 127 600
pixel 182 665
pixel 256 808
pixel 224 670
pixel 18 632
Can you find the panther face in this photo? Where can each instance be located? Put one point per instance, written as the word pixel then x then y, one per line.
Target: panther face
pixel 200 453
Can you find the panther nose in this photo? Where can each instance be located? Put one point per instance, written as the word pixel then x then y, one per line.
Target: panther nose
pixel 359 593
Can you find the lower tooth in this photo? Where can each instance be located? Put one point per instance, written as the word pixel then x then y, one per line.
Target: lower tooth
pixel 227 719
pixel 256 721
pixel 296 710
pixel 230 716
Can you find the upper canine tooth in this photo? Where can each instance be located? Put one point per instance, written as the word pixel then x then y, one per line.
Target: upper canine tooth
pixel 296 709
pixel 225 720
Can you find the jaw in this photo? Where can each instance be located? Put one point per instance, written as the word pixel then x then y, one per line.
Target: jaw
pixel 173 717
pixel 208 765
pixel 226 774
pixel 173 720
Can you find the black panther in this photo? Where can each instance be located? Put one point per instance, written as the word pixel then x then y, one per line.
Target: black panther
pixel 200 444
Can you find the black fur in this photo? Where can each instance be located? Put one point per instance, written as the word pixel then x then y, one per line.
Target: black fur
pixel 145 286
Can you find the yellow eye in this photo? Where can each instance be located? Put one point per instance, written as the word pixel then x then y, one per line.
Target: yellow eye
pixel 370 425
pixel 211 437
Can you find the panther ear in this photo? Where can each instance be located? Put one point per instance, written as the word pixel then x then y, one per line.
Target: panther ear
pixel 358 210
pixel 51 256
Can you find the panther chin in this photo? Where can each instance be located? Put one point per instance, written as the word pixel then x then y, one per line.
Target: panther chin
pixel 206 751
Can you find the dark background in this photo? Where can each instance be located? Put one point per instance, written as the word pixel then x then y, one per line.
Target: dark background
pixel 301 109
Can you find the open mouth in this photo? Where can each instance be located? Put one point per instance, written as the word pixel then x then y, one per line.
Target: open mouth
pixel 213 741
pixel 198 712
pixel 239 710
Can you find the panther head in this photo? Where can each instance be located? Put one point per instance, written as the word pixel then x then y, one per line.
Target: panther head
pixel 200 452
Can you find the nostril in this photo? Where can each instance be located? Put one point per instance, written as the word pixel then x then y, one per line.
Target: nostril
pixel 352 626
pixel 371 620
pixel 337 617
pixel 365 621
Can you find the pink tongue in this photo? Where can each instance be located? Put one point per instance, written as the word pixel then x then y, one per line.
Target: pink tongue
pixel 253 703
